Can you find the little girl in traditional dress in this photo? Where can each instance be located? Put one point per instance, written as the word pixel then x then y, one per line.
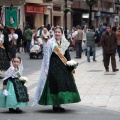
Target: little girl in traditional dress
pixel 14 93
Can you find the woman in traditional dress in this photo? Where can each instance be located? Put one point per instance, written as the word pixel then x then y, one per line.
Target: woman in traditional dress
pixel 4 60
pixel 45 36
pixel 56 83
pixel 14 93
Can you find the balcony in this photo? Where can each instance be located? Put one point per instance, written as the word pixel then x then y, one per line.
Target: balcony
pixel 62 2
pixel 34 1
pixel 103 5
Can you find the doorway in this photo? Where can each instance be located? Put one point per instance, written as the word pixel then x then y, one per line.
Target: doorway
pixel 57 20
pixel 30 19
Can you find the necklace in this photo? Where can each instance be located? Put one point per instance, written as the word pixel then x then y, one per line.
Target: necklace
pixel 59 44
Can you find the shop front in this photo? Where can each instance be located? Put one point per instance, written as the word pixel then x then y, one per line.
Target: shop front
pixel 34 15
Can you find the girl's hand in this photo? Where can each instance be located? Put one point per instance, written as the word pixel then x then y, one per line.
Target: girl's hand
pixel 15 69
pixel 5 92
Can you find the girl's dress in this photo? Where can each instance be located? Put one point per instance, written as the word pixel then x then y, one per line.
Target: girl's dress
pixel 56 83
pixel 4 60
pixel 17 92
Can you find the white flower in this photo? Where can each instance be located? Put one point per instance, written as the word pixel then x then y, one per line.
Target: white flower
pixel 23 78
pixel 71 63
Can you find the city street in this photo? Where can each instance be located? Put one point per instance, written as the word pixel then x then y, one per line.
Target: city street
pixel 99 91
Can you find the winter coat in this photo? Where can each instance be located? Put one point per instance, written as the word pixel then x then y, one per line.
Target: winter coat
pixel 118 37
pixel 28 34
pixel 109 42
pixel 19 32
pixel 90 41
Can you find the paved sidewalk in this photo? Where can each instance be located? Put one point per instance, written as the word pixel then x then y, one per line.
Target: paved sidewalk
pixel 96 87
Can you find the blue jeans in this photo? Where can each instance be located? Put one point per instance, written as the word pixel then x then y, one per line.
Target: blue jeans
pixel 118 50
pixel 93 52
pixel 28 46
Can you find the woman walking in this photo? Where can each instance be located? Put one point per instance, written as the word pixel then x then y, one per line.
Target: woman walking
pixel 4 60
pixel 56 84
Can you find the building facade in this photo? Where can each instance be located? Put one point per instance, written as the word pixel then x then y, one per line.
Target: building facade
pixel 44 12
pixel 102 11
pixel 38 12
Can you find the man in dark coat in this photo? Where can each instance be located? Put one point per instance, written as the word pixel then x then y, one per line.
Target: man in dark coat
pixel 109 43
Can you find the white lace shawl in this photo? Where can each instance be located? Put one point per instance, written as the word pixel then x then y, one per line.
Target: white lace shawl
pixel 45 65
pixel 10 72
pixel 44 70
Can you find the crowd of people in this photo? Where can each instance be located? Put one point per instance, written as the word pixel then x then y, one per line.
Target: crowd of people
pixel 105 36
pixel 56 84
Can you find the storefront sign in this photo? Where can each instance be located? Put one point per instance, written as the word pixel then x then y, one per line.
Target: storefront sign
pixel 34 9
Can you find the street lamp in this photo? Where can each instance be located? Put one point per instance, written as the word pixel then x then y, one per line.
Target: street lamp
pixel 50 8
pixel 117 5
pixel 66 10
pixel 90 4
pixel 11 5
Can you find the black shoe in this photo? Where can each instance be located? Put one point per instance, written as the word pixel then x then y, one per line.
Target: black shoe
pixel 77 57
pixel 88 60
pixel 107 70
pixel 115 70
pixel 55 108
pixel 11 110
pixel 61 109
pixel 95 60
pixel 18 110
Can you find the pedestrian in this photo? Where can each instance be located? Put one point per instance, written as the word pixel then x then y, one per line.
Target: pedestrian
pixel 39 32
pixel 56 84
pixel 18 31
pixel 90 42
pixel 4 60
pixel 5 32
pixel 14 93
pixel 109 44
pixel 114 29
pixel 13 41
pixel 24 43
pixel 118 42
pixel 45 36
pixel 78 42
pixel 102 30
pixel 28 37
pixel 84 39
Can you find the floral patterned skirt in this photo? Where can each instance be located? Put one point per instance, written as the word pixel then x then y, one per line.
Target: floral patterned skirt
pixel 17 94
pixel 60 87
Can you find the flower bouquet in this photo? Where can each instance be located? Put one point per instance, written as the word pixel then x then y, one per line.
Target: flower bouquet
pixel 71 65
pixel 23 79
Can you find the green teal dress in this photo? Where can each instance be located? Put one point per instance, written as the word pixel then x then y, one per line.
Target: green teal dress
pixel 17 94
pixel 60 87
